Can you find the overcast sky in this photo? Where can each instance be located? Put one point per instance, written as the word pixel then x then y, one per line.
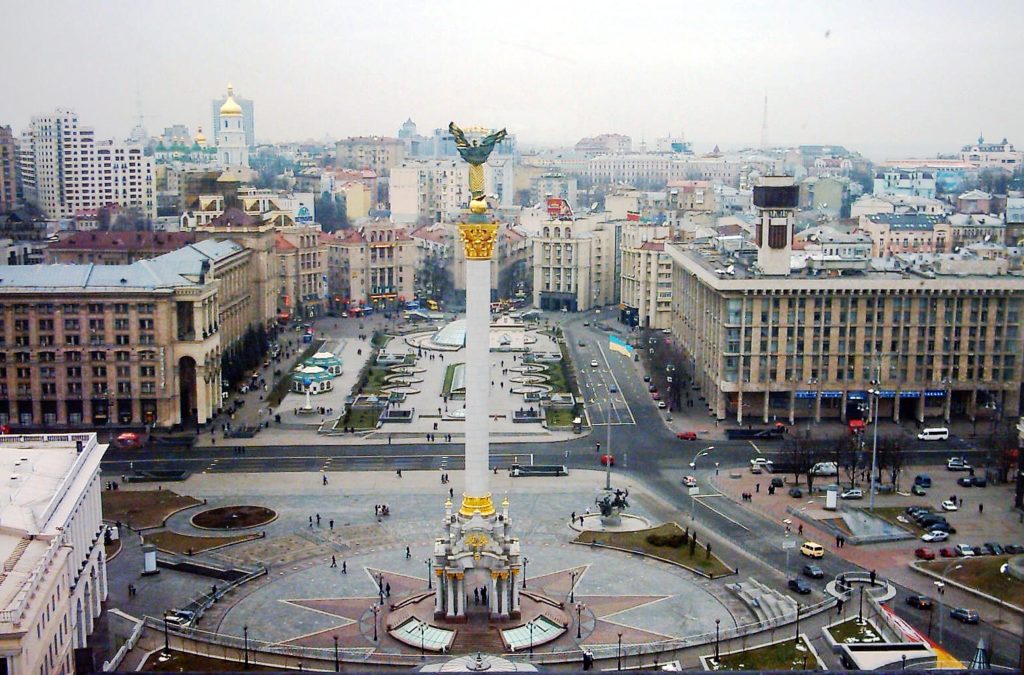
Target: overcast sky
pixel 887 78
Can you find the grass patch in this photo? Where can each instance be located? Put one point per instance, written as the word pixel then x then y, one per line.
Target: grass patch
pixel 890 515
pixel 111 549
pixel 853 631
pixel 375 379
pixel 788 655
pixel 361 419
pixel 449 375
pixel 380 340
pixel 640 541
pixel 983 574
pixel 556 377
pixel 141 509
pixel 173 542
pixel 559 418
pixel 180 662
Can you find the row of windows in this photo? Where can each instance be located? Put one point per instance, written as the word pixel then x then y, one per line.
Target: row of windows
pixel 91 308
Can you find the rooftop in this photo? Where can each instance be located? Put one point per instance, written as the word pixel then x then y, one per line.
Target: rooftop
pixel 88 241
pixel 906 221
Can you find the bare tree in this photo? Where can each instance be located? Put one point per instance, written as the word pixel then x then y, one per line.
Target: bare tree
pixel 799 455
pixel 891 457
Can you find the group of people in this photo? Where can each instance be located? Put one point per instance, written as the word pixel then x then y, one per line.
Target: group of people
pixel 381 510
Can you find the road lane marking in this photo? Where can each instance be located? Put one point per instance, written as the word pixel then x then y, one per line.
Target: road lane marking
pixel 754 446
pixel 711 508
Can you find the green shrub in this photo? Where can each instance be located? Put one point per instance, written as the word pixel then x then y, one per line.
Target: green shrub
pixel 666 540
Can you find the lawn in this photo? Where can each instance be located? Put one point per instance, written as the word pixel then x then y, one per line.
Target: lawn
pixel 181 662
pixel 172 542
pixel 788 655
pixel 889 514
pixel 375 380
pixel 361 419
pixel 852 631
pixel 556 378
pixel 559 418
pixel 380 340
pixel 141 509
pixel 449 375
pixel 638 541
pixel 983 574
pixel 284 383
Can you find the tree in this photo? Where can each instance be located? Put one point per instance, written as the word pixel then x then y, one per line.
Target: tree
pixel 799 455
pixel 891 457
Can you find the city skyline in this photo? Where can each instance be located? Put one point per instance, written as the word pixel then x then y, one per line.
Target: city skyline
pixel 832 74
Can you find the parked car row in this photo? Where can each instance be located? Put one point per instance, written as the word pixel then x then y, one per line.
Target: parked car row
pixel 988 548
pixel 959 613
pixel 930 521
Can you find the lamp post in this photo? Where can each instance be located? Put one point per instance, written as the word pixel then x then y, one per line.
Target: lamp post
pixel 874 450
pixel 245 646
pixel 796 638
pixel 167 639
pixel 618 654
pixel 525 560
pixel 376 613
pixel 531 637
pixel 337 665
pixel 717 622
pixel 699 454
pixel 430 572
pixel 572 586
pixel 423 651
pixel 940 586
pixel 579 620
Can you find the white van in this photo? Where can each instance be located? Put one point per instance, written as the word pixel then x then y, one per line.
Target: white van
pixel 825 469
pixel 936 434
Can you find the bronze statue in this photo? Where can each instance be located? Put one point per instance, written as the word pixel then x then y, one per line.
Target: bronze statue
pixel 475 154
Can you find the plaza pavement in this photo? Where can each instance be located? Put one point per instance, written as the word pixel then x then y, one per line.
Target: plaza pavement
pixel 304 601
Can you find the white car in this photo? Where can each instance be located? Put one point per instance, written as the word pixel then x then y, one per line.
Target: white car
pixel 957 464
pixel 594 364
pixel 689 481
pixel 854 493
pixel 662 405
pixel 965 550
pixel 949 505
pixel 936 535
pixel 760 463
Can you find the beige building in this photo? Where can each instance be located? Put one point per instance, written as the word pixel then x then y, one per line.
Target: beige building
pixel 8 166
pixel 373 265
pixel 511 268
pixel 108 345
pixel 895 233
pixel 431 189
pixel 646 277
pixel 302 270
pixel 943 342
pixel 55 574
pixel 378 153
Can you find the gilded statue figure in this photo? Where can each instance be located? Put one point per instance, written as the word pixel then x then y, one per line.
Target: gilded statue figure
pixel 475 154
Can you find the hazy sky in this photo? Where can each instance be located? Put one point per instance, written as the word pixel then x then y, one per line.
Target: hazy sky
pixel 888 78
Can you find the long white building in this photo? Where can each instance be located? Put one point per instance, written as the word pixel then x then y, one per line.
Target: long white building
pixel 54 577
pixel 65 169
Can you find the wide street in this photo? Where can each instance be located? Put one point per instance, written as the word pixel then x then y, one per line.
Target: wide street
pixel 625 422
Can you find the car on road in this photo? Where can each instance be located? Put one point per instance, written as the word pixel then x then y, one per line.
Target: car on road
pixel 924 553
pixel 656 396
pixel 948 552
pixel 965 481
pixel 1014 549
pixel 662 405
pixel 586 323
pixel 651 388
pixel 919 601
pixel 964 549
pixel 979 481
pixel 949 505
pixel 855 493
pixel 918 490
pixel 687 435
pixel 935 536
pixel 607 460
pixel 777 481
pixel 647 378
pixel 799 586
pixel 812 549
pixel 995 548
pixel 613 389
pixel 594 363
pixel 689 481
pixel 957 464
pixel 795 492
pixel 582 343
pixel 813 571
pixel 964 614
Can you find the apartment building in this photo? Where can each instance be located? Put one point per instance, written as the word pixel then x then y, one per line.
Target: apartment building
pixel 431 189
pixel 904 182
pixel 939 339
pixel 646 281
pixel 8 169
pixel 302 270
pixel 65 169
pixel 374 265
pixel 55 578
pixel 378 153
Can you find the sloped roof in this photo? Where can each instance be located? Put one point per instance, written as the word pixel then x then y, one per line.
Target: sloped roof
pixel 282 244
pixel 87 241
pixel 234 216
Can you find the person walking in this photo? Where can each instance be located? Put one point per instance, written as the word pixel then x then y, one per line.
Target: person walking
pixel 981 509
pixel 325 479
pixel 408 554
pixel 331 523
pixel 334 561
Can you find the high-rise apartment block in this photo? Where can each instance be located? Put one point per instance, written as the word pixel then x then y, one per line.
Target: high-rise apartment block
pixel 65 169
pixel 8 166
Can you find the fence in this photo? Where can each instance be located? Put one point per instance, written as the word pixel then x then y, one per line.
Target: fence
pixel 115 617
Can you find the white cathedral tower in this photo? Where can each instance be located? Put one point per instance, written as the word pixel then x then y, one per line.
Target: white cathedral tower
pixel 232 152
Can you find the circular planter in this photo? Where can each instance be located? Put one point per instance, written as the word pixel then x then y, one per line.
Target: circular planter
pixel 233 517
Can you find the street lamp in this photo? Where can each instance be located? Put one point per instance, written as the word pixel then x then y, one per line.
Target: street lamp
pixel 579 620
pixel 167 639
pixel 525 560
pixel 717 622
pixel 874 449
pixel 376 612
pixel 337 665
pixel 423 651
pixel 699 454
pixel 430 572
pixel 531 637
pixel 245 645
pixel 796 638
pixel 618 654
pixel 940 586
pixel 572 586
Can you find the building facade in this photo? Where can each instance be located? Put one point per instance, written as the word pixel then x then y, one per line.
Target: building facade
pixel 8 171
pixel 248 118
pixel 992 155
pixel 378 153
pixel 431 189
pixel 232 146
pixel 56 582
pixel 905 182
pixel 66 169
pixel 114 248
pixel 371 266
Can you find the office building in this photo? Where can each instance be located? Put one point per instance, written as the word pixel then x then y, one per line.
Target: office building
pixel 646 282
pixel 934 336
pixel 378 153
pixel 55 573
pixel 8 171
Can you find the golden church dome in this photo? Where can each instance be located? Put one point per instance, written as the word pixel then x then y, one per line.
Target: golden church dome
pixel 230 107
pixel 200 138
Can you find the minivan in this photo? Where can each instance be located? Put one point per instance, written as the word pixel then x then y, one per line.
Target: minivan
pixel 812 550
pixel 923 479
pixel 934 434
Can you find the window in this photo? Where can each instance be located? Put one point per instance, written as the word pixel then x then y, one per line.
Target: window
pixel 97 356
pixel 99 371
pixel 121 339
pixel 147 371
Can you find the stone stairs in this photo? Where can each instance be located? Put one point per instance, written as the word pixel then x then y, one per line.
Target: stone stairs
pixel 766 604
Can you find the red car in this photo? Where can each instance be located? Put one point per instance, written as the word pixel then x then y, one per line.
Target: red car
pixel 948 552
pixel 925 553
pixel 687 435
pixel 656 396
pixel 609 460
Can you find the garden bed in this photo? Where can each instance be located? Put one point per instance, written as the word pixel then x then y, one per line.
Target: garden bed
pixel 182 662
pixel 361 419
pixel 983 575
pixel 181 544
pixel 233 517
pixel 786 655
pixel 142 509
pixel 890 515
pixel 640 541
pixel 854 631
pixel 559 418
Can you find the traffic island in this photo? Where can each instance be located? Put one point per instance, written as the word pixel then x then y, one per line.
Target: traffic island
pixel 791 654
pixel 667 542
pixel 233 517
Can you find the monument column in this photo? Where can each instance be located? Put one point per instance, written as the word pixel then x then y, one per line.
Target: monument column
pixel 450 592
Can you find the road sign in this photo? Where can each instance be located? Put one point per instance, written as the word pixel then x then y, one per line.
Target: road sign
pixel 694 491
pixel 788 543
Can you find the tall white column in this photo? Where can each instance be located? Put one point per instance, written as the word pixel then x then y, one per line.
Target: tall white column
pixel 478 375
pixel 439 594
pixel 492 597
pixel 450 589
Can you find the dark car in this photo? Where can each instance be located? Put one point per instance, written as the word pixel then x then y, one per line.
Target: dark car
pixel 919 601
pixel 995 548
pixel 800 586
pixel 979 481
pixel 651 388
pixel 813 571
pixel 984 549
pixel 965 481
pixel 964 614
pixel 647 378
pixel 918 490
pixel 796 493
pixel 778 481
pixel 1014 549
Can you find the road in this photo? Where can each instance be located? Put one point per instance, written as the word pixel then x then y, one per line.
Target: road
pixel 627 423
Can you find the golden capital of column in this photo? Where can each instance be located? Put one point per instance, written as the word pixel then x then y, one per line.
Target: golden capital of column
pixel 478 239
pixel 472 506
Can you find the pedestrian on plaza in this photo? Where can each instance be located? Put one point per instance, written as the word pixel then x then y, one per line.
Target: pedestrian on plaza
pixel 476 596
pixel 408 554
pixel 344 567
pixel 837 541
pixel 387 589
pixel 872 577
pixel 451 493
pixel 574 516
pixel 334 561
pixel 325 479
pixel 757 488
pixel 399 472
pixel 800 529
pixel 331 523
pixel 311 521
pixel 318 520
pixel 981 509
